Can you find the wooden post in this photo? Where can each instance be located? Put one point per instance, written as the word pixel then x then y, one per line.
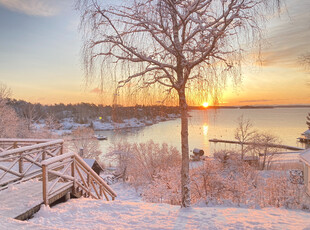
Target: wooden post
pixel 73 175
pixel 88 183
pixel 21 164
pixel 67 196
pixel 43 154
pixel 45 182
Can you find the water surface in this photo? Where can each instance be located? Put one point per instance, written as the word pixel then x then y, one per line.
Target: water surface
pixel 285 123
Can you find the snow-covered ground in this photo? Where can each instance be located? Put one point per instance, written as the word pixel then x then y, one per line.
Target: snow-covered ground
pixel 93 214
pixel 129 212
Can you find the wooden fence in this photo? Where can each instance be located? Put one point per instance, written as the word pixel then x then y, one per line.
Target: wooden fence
pixel 21 158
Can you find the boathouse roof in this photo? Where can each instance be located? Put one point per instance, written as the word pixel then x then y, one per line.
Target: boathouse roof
pixel 305 156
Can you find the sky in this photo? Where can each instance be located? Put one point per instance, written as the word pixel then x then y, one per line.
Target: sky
pixel 40 56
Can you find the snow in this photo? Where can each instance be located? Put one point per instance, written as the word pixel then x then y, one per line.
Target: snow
pixel 13 204
pixel 305 156
pixel 88 213
pixel 129 212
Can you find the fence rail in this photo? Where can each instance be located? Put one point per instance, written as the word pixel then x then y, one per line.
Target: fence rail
pixel 8 143
pixel 17 163
pixel 22 159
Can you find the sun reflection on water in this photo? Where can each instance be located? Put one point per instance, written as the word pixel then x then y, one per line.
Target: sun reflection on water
pixel 205 128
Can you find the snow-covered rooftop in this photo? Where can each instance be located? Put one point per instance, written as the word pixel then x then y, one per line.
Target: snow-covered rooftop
pixel 305 156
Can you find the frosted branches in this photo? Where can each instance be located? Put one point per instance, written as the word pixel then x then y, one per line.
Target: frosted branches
pixel 161 39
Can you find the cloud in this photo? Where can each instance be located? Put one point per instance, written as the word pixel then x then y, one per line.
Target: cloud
pixel 288 35
pixel 96 90
pixel 44 8
pixel 250 101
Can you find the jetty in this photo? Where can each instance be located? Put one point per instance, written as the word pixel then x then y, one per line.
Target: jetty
pixel 37 171
pixel 287 147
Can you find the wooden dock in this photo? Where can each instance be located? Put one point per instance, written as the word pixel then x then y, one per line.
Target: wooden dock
pixel 39 173
pixel 252 143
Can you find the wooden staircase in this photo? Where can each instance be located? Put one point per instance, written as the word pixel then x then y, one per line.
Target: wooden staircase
pixel 59 174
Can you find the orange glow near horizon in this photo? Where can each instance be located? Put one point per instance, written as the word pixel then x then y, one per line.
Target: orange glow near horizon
pixel 205 104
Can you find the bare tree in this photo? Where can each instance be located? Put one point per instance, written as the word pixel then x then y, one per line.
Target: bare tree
pixel 308 120
pixel 265 146
pixel 83 138
pixel 170 43
pixel 243 133
pixel 30 115
pixel 5 92
pixel 304 60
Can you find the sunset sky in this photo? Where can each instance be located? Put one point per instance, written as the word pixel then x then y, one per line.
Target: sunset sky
pixel 40 57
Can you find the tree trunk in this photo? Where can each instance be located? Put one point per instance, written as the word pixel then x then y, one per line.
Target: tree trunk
pixel 185 181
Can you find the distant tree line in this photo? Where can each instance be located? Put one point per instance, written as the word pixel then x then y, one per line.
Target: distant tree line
pixel 84 113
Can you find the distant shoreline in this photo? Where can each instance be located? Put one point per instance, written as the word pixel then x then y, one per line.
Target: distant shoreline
pixel 249 107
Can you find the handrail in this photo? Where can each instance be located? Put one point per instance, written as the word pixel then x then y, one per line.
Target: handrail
pixel 70 167
pixel 22 162
pixel 24 140
pixel 81 161
pixel 30 147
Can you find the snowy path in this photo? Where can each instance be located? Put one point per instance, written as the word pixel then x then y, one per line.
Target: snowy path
pixel 18 199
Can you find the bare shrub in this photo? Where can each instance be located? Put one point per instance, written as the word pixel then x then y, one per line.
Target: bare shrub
pixel 264 145
pixel 165 187
pixel 83 141
pixel 140 163
pixel 231 181
pixel 278 191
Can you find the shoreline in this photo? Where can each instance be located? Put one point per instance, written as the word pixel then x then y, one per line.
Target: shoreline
pixel 68 125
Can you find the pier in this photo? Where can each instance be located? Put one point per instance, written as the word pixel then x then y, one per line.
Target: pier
pixel 253 143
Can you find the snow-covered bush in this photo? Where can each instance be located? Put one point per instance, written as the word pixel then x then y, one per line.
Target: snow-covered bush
pixel 140 163
pixel 218 181
pixel 165 188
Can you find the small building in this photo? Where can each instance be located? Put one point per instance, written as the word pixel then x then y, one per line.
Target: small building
pixel 305 158
pixel 94 165
pixel 305 137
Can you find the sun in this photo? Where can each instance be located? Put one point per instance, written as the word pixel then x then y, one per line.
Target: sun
pixel 205 104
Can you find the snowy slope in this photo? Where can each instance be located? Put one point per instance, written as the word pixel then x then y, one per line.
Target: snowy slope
pixel 93 214
pixel 129 212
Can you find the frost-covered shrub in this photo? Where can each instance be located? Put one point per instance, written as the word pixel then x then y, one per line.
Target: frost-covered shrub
pixel 165 188
pixel 234 182
pixel 278 191
pixel 140 163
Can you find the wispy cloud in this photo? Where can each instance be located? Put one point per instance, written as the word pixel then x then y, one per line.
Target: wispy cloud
pixel 44 8
pixel 289 36
pixel 250 101
pixel 96 90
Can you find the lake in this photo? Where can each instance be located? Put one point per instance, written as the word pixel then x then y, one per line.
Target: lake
pixel 285 123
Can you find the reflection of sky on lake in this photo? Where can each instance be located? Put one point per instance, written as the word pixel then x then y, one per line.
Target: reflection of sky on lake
pixel 285 123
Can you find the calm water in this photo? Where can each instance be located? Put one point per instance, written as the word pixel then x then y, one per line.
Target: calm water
pixel 285 123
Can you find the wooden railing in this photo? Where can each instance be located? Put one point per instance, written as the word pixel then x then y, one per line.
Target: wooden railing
pixel 18 162
pixel 9 143
pixel 71 170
